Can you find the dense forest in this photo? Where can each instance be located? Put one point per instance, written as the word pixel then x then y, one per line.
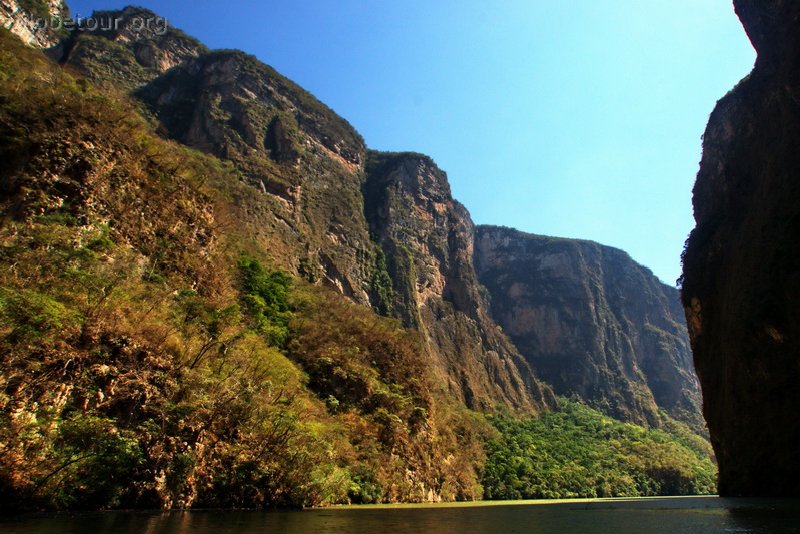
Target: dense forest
pixel 579 452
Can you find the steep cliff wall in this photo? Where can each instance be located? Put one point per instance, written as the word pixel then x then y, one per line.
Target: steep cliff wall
pixel 742 263
pixel 591 322
pixel 36 22
pixel 303 161
pixel 428 241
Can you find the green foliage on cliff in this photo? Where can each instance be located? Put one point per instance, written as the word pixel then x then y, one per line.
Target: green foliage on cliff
pixel 109 61
pixel 579 452
pixel 381 284
pixel 266 297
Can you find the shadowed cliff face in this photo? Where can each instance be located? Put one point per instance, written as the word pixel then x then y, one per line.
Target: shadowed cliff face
pixel 742 263
pixel 591 322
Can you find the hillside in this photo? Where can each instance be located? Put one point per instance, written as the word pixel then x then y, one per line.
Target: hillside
pixel 150 359
pixel 212 294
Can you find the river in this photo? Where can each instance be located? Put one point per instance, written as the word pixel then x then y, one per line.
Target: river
pixel 651 515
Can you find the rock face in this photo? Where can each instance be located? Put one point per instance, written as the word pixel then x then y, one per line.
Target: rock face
pixel 591 322
pixel 36 22
pixel 381 229
pixel 230 104
pixel 428 241
pixel 127 48
pixel 305 161
pixel 742 263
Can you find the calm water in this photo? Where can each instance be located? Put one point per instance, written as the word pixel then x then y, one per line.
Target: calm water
pixel 696 514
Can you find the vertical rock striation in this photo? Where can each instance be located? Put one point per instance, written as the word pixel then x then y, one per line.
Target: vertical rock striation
pixel 742 263
pixel 592 323
pixel 428 241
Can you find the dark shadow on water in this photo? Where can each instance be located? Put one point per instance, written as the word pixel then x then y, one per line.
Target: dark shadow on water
pixel 765 515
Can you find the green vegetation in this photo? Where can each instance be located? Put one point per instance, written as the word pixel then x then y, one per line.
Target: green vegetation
pixel 37 8
pixel 110 61
pixel 120 63
pixel 381 284
pixel 266 297
pixel 578 452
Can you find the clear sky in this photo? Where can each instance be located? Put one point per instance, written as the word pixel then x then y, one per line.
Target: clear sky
pixel 578 118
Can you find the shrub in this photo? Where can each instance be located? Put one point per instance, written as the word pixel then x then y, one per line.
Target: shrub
pixel 266 298
pixel 32 315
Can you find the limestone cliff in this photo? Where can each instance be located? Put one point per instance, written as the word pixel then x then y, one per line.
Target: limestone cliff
pixel 591 322
pixel 405 249
pixel 304 161
pixel 742 263
pixel 37 22
pixel 428 241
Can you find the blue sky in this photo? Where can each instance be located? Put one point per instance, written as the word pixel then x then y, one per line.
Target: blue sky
pixel 577 119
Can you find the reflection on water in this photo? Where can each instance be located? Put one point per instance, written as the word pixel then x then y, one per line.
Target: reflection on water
pixel 698 514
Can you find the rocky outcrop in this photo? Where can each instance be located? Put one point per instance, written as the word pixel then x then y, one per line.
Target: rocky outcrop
pixel 427 238
pixel 592 323
pixel 303 160
pixel 227 102
pixel 39 23
pixel 742 263
pixel 127 48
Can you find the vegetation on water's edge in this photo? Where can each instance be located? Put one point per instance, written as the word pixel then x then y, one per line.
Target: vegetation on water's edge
pixel 151 356
pixel 579 452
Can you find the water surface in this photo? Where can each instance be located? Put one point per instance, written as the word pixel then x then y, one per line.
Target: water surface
pixel 674 514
